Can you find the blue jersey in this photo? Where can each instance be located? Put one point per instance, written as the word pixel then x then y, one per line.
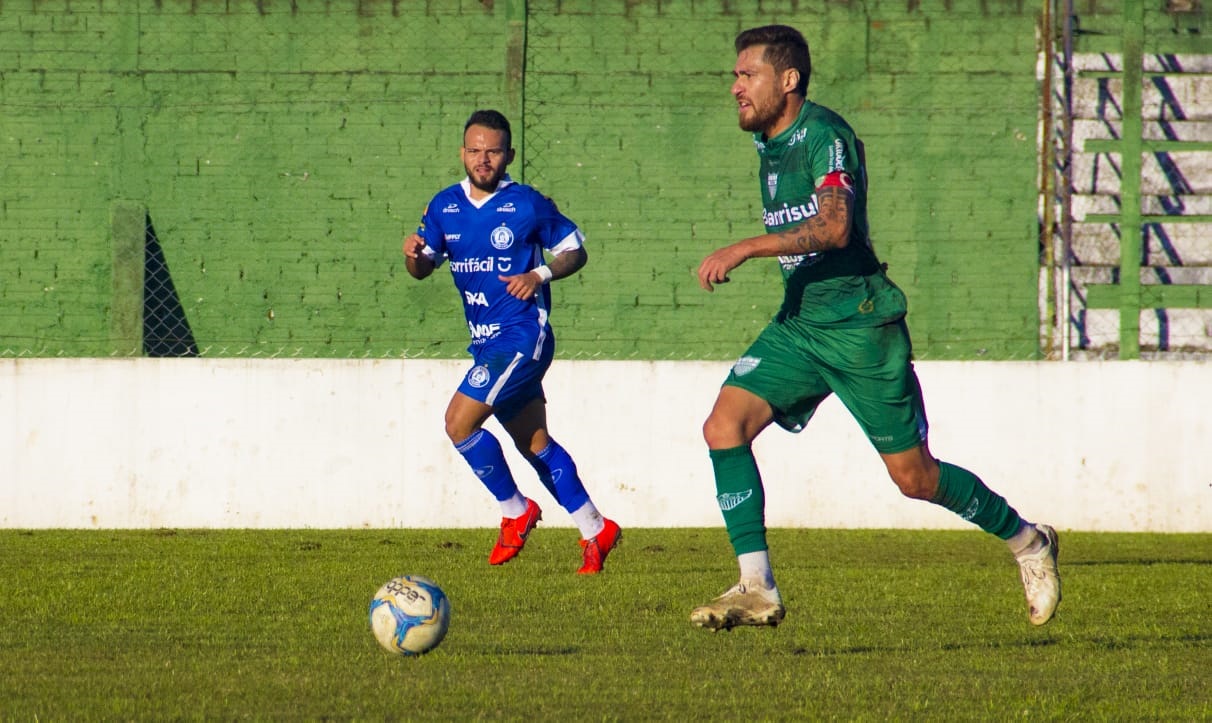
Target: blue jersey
pixel 502 235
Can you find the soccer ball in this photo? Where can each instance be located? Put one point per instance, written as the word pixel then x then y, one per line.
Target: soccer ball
pixel 409 615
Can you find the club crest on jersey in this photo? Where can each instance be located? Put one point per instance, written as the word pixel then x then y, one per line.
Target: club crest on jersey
pixel 501 238
pixel 772 183
pixel 479 376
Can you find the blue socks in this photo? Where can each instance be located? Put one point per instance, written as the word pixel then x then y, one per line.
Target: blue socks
pixel 558 474
pixel 483 452
pixel 554 465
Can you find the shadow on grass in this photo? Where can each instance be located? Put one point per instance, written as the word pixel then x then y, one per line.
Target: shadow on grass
pixel 1100 642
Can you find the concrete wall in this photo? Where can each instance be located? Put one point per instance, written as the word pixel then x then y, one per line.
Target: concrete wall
pixel 282 149
pixel 149 443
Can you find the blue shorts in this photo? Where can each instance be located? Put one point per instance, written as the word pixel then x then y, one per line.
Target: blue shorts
pixel 505 374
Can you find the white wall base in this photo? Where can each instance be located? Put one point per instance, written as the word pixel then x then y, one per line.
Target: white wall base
pixel 278 443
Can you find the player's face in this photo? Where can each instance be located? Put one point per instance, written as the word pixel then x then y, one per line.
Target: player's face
pixel 485 156
pixel 758 92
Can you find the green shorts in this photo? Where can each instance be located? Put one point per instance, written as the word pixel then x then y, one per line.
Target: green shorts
pixel 794 367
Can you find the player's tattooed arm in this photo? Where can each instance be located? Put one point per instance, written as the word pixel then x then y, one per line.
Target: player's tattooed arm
pixel 568 263
pixel 828 229
pixel 524 286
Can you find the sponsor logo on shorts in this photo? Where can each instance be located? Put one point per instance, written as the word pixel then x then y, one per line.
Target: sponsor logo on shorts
pixel 866 306
pixel 730 500
pixel 479 376
pixel 971 510
pixel 745 364
pixel 501 237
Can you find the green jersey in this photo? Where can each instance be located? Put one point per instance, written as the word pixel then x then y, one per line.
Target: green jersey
pixel 843 287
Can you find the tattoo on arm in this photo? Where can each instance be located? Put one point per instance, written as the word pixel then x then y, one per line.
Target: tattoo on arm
pixel 828 229
pixel 567 263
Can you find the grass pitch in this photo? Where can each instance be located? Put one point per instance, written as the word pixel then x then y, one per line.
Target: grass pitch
pixel 904 625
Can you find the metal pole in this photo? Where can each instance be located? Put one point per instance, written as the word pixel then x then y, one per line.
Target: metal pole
pixel 1066 210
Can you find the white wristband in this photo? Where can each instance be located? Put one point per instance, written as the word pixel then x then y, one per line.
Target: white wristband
pixel 544 273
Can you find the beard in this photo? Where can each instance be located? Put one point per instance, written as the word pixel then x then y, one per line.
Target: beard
pixel 760 117
pixel 485 182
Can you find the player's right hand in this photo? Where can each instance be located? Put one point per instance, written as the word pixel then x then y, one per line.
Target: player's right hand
pixel 413 243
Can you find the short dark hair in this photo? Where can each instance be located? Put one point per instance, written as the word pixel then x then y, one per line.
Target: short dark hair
pixel 491 119
pixel 785 48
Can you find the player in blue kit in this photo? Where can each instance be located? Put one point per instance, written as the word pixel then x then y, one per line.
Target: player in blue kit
pixel 493 234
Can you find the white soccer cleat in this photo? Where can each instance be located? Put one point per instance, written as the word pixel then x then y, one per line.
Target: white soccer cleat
pixel 745 603
pixel 1041 581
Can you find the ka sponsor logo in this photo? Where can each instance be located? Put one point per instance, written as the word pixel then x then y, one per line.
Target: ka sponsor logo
pixel 476 298
pixel 501 238
pixel 730 500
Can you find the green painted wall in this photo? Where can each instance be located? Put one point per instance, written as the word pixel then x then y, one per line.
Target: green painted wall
pixel 282 149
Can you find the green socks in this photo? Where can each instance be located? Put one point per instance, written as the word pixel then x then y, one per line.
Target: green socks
pixel 739 491
pixel 742 500
pixel 964 494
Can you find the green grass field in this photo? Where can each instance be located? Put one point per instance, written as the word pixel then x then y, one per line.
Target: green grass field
pixel 901 625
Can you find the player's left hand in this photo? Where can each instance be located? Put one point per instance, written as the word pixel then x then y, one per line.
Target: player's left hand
pixel 522 286
pixel 715 268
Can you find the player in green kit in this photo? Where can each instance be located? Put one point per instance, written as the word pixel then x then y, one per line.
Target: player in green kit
pixel 840 330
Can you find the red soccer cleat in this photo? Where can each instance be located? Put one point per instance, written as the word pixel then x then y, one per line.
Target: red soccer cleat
pixel 599 547
pixel 514 531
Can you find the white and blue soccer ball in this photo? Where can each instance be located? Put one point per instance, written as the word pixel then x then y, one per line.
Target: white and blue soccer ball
pixel 409 615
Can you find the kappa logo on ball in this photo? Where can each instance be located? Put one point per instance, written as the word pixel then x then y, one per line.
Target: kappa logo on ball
pixel 479 377
pixel 501 237
pixel 745 364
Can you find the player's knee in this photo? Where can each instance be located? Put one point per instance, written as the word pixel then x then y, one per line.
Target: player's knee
pixel 915 484
pixel 722 433
pixel 458 432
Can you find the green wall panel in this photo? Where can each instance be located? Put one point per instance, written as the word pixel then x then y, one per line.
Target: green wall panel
pixel 282 150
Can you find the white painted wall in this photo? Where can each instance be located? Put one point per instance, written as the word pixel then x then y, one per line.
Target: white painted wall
pixel 146 443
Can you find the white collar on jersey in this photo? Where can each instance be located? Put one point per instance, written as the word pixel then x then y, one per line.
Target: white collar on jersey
pixel 466 184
